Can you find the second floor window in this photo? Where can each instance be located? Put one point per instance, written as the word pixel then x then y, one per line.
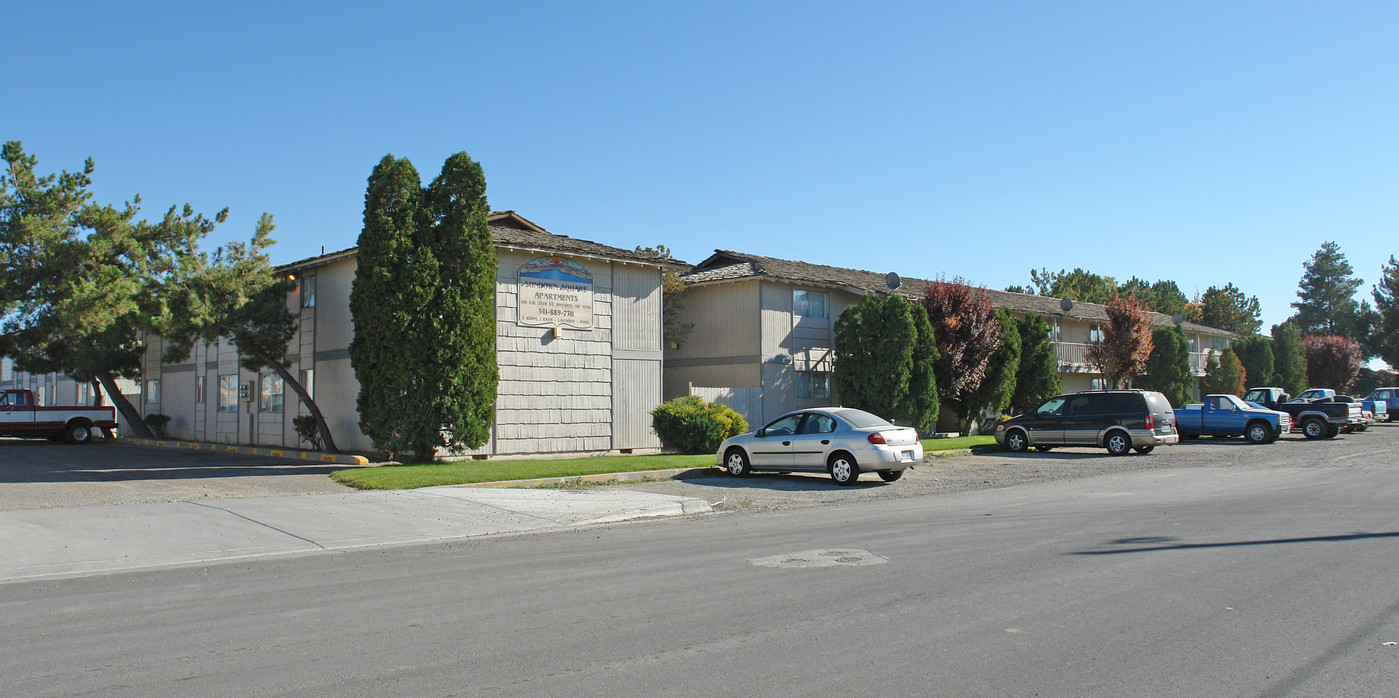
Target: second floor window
pixel 809 304
pixel 308 291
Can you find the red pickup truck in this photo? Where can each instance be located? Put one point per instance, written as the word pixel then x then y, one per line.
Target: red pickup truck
pixel 20 416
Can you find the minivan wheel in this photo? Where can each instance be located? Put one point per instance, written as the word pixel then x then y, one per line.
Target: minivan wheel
pixel 843 469
pixel 1145 449
pixel 1016 441
pixel 1258 433
pixel 736 463
pixel 1118 443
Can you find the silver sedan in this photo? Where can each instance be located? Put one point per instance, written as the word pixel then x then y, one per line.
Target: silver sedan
pixel 837 440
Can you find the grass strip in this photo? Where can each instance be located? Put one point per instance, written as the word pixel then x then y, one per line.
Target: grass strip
pixel 958 442
pixel 465 472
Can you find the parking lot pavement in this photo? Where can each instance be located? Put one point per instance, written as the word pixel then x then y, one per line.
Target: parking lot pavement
pixel 42 474
pixel 1377 447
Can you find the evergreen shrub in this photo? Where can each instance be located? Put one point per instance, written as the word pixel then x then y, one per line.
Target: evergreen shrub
pixel 691 425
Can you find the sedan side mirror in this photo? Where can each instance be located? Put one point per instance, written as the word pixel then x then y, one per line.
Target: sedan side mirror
pixel 761 433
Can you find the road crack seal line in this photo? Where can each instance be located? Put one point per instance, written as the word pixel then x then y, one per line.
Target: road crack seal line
pixel 264 525
pixel 823 557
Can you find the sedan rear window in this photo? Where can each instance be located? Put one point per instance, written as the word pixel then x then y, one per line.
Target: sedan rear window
pixel 861 419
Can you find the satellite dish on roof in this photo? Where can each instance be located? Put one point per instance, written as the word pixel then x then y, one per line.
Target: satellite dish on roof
pixel 1177 319
pixel 1066 305
pixel 892 280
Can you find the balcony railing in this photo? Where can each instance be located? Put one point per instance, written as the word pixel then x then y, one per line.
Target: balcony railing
pixel 1073 358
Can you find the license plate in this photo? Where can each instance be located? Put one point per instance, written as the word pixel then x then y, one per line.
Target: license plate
pixel 906 455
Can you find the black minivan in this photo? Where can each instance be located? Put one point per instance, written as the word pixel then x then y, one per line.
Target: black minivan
pixel 1118 420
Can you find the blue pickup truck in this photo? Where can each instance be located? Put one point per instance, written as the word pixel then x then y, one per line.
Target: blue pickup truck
pixel 1227 415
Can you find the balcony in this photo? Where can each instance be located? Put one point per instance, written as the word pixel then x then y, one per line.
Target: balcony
pixel 1073 358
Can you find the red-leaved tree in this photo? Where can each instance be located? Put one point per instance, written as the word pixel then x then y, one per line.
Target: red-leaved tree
pixel 967 333
pixel 1333 361
pixel 1126 342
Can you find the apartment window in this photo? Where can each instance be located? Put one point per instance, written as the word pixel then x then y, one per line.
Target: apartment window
pixel 308 382
pixel 199 390
pixel 1095 333
pixel 813 385
pixel 308 291
pixel 152 390
pixel 83 393
pixel 270 397
pixel 1054 331
pixel 1218 343
pixel 1100 384
pixel 809 304
pixel 228 393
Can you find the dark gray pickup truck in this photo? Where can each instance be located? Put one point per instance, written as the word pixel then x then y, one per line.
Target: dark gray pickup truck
pixel 1316 420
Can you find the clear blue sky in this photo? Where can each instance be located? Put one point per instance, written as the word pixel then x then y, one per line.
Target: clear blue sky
pixel 1200 142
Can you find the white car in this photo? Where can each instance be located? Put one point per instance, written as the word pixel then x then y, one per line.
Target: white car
pixel 837 440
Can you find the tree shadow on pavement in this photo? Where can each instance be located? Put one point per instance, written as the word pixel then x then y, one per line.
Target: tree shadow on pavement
pixel 41 461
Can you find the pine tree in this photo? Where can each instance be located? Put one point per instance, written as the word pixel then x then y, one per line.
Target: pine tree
pixel 1223 374
pixel 1037 377
pixel 1386 332
pixel 1326 295
pixel 1167 368
pixel 1256 354
pixel 388 298
pixel 1228 308
pixel 1289 359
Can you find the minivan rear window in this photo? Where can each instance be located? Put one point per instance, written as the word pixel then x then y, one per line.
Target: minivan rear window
pixel 1157 402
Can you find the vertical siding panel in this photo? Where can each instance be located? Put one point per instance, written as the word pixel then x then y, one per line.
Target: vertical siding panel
pixel 637 392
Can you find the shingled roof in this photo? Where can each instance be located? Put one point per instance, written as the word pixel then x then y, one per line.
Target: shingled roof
pixel 726 265
pixel 510 230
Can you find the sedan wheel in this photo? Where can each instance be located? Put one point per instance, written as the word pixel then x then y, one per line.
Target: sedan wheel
pixel 736 463
pixel 890 475
pixel 843 470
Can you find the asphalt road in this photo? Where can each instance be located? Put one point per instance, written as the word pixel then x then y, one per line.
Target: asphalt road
pixel 1164 580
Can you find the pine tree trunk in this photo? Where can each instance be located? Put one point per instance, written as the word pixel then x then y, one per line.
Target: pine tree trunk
pixel 130 417
pixel 306 400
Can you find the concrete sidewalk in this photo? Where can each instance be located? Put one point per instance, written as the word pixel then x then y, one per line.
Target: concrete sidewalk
pixel 39 543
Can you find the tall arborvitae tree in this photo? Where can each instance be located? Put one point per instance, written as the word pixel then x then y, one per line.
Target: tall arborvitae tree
pixel 1256 354
pixel 964 323
pixel 1037 377
pixel 1228 308
pixel 1223 374
pixel 1333 361
pixel 920 406
pixel 874 345
pixel 992 397
pixel 1126 342
pixel 1386 331
pixel 462 333
pixel 1326 295
pixel 388 300
pixel 1167 369
pixel 1289 358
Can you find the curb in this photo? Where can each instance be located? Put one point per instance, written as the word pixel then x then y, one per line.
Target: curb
pixel 597 477
pixel 252 450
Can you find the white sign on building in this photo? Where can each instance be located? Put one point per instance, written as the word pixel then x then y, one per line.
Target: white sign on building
pixel 555 292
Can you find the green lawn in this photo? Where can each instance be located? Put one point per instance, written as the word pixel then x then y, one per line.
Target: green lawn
pixel 976 443
pixel 405 477
pixel 464 472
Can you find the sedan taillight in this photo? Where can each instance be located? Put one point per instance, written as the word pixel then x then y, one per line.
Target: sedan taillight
pixel 876 438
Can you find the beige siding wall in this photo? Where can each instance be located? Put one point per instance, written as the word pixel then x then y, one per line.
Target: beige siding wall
pixel 723 349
